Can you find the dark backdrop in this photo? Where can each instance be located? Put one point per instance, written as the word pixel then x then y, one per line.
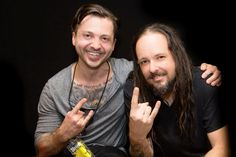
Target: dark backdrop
pixel 36 43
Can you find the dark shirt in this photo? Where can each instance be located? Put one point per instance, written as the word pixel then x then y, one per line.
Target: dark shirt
pixel 208 118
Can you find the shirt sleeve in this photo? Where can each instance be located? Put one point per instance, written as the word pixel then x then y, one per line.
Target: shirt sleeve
pixel 209 101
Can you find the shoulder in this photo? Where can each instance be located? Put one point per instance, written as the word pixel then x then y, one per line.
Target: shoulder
pixel 199 84
pixel 61 78
pixel 121 68
pixel 209 101
pixel 129 86
pixel 205 95
pixel 117 62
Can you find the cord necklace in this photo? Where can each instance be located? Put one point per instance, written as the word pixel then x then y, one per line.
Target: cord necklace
pixel 71 87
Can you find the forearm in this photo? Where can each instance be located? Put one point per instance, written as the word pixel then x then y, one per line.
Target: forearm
pixel 142 148
pixel 50 144
pixel 219 140
pixel 218 152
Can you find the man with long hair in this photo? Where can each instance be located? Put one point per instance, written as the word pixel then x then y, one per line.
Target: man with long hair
pixel 172 111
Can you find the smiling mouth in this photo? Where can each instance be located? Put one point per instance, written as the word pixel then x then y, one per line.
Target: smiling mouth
pixel 94 53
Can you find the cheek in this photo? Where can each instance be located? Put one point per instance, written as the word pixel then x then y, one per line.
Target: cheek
pixel 81 43
pixel 171 72
pixel 145 71
pixel 108 47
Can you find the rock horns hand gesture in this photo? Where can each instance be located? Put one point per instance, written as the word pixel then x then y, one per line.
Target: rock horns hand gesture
pixel 141 117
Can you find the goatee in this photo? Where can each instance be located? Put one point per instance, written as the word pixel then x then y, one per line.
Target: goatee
pixel 161 91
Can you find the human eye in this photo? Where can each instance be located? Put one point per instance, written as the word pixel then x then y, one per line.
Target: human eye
pixel 142 62
pixel 160 57
pixel 106 39
pixel 87 35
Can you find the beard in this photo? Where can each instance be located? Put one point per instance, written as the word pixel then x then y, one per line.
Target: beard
pixel 161 90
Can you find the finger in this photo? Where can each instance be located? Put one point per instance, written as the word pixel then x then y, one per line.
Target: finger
pixel 155 110
pixel 209 70
pixel 216 76
pixel 217 82
pixel 134 100
pixel 143 109
pixel 79 105
pixel 148 110
pixel 203 66
pixel 88 117
pixel 206 73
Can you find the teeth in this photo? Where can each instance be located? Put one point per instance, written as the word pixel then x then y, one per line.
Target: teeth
pixel 94 53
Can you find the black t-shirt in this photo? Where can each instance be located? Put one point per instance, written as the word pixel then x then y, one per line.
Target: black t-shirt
pixel 208 117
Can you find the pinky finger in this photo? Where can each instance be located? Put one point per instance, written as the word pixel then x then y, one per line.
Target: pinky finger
pixel 216 82
pixel 155 110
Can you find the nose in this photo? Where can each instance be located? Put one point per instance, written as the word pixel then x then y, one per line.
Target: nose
pixel 96 44
pixel 153 67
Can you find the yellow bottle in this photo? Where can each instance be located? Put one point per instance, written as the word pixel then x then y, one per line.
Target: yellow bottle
pixel 79 149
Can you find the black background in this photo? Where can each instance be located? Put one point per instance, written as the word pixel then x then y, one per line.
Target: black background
pixel 36 43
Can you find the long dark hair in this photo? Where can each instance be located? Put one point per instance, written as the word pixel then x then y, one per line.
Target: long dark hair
pixel 183 82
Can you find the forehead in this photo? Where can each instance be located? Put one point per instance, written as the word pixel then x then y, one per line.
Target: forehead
pixel 152 42
pixel 96 24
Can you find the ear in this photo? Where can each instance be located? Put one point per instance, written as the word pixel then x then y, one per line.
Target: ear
pixel 73 38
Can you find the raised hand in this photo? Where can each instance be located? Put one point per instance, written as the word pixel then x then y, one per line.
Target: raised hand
pixel 141 117
pixel 75 120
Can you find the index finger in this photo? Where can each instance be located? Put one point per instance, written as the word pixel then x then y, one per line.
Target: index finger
pixel 79 105
pixel 134 100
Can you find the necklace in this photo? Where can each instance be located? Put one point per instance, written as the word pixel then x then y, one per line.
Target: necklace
pixel 97 104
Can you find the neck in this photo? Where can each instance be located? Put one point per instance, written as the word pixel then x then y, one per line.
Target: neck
pixel 168 98
pixel 91 76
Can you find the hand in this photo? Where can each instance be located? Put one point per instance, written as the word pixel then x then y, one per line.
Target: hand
pixel 141 117
pixel 75 121
pixel 213 72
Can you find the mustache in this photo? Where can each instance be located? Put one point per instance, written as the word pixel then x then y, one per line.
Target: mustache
pixel 156 74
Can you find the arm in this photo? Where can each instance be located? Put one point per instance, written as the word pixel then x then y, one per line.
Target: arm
pixel 213 72
pixel 141 116
pixel 141 148
pixel 49 144
pixel 220 143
